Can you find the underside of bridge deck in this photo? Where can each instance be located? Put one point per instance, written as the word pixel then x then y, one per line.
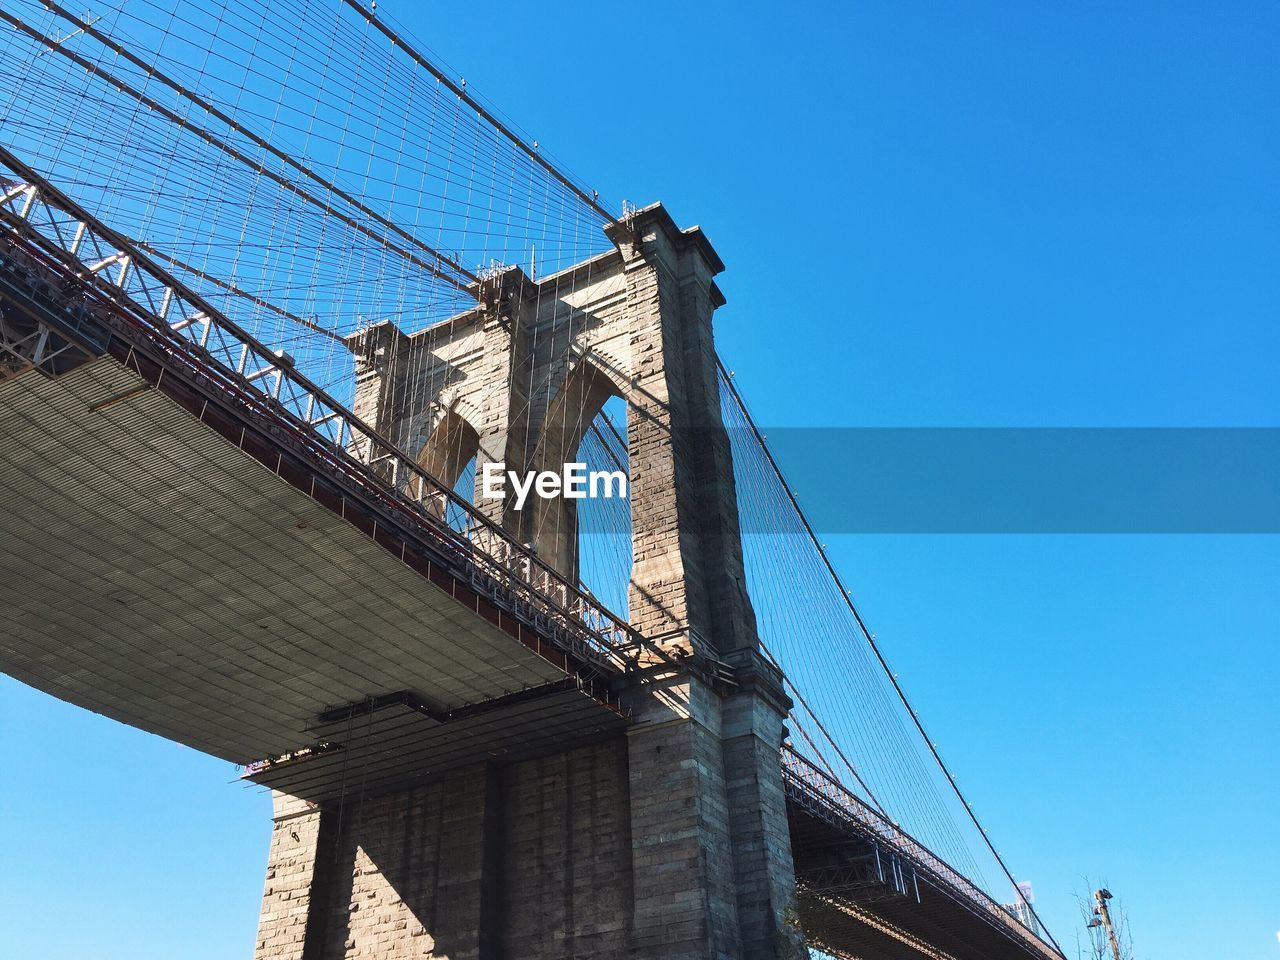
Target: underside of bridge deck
pixel 159 575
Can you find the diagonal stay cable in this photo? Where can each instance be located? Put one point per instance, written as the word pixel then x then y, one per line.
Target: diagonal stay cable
pixel 443 267
pixel 484 114
pixel 239 292
pixel 212 109
pixel 823 729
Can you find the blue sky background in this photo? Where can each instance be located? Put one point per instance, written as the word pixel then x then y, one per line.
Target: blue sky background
pixel 1006 215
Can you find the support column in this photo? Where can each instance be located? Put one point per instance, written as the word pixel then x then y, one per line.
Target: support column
pixel 711 844
pixel 687 580
pixel 409 874
pixel 764 870
pixel 682 858
pixel 291 924
pixel 501 377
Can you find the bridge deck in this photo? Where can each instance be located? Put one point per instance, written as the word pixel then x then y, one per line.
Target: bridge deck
pixel 868 889
pixel 163 577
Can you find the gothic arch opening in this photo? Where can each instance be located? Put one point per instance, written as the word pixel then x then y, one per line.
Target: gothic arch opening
pixel 449 455
pixel 605 547
pixel 588 540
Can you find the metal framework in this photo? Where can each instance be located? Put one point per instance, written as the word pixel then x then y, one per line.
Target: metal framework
pixel 907 863
pixel 29 345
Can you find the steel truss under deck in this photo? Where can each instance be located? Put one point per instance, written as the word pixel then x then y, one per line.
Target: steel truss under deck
pixel 857 865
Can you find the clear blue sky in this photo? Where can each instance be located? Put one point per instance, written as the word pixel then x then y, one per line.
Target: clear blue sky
pixel 1008 214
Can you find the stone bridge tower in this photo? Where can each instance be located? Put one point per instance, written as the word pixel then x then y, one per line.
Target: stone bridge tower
pixel 669 841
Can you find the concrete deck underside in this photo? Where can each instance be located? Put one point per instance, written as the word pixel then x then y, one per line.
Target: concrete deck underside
pixel 154 573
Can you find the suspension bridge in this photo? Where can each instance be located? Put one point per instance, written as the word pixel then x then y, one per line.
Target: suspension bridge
pixel 274 289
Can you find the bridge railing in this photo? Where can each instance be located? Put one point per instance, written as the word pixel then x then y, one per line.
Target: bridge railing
pixel 110 266
pixel 825 796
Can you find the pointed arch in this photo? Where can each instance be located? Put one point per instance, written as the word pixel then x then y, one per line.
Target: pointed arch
pixel 551 525
pixel 450 448
pixel 606 547
pixel 582 395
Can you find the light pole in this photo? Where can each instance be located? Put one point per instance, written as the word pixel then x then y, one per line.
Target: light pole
pixel 1104 920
